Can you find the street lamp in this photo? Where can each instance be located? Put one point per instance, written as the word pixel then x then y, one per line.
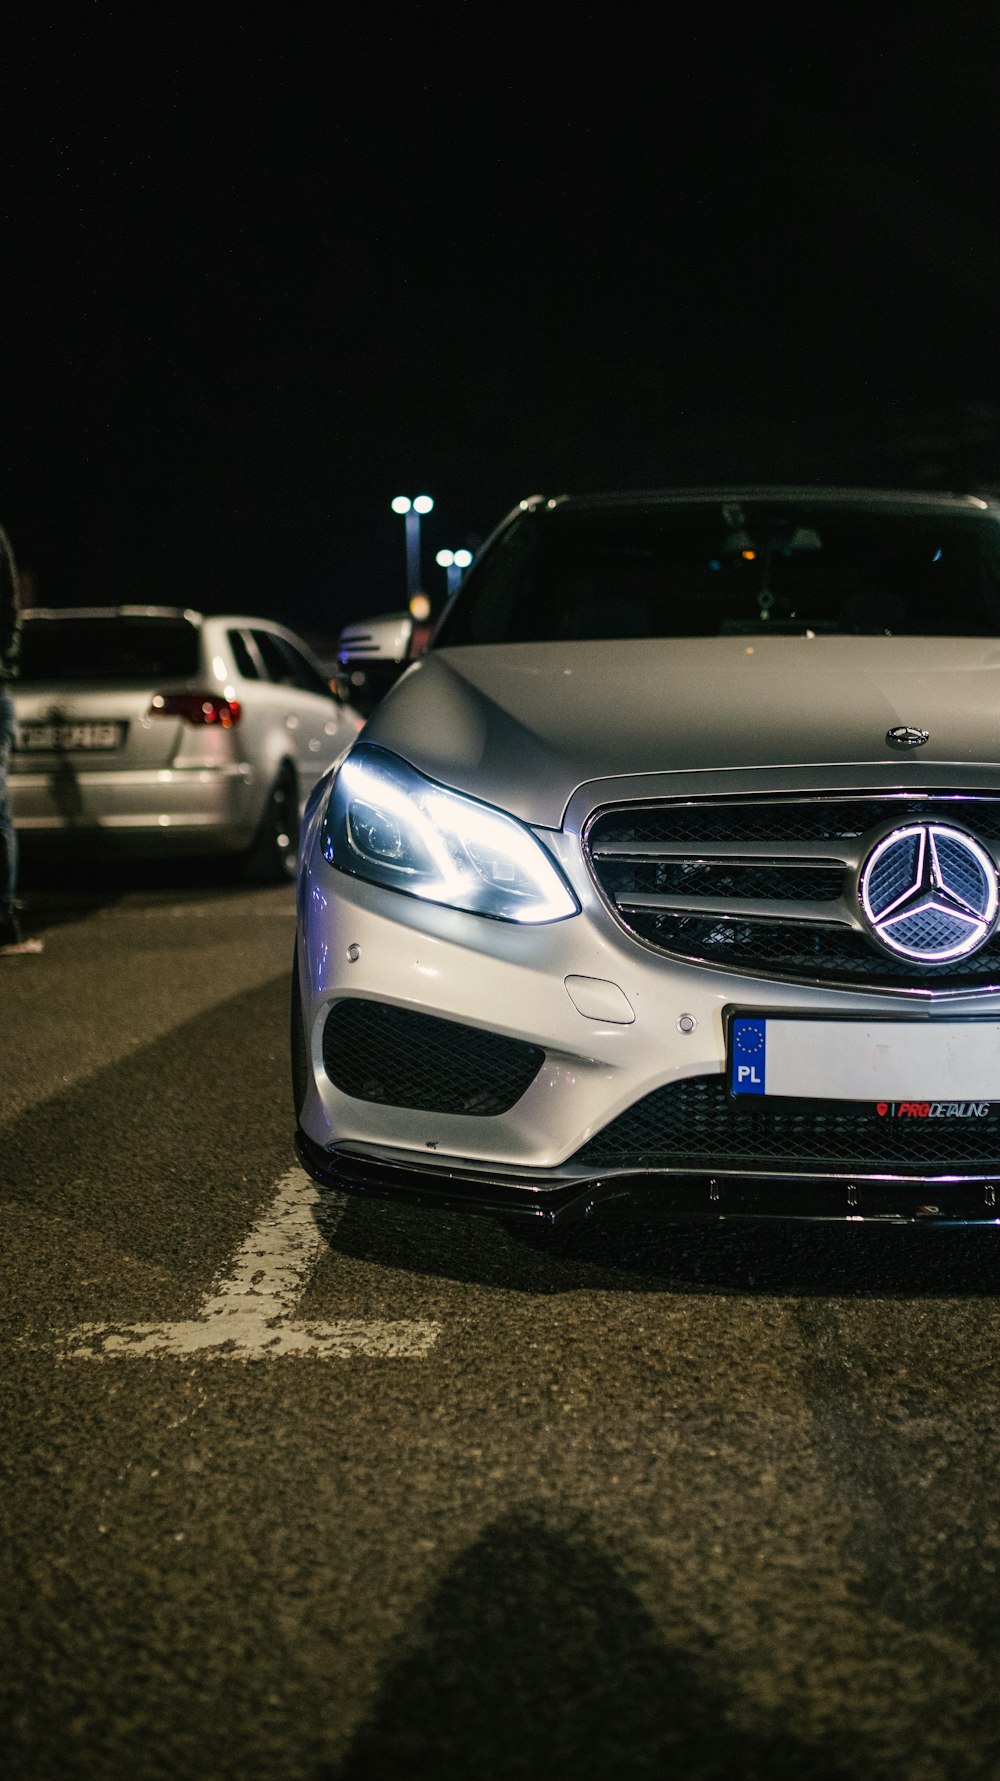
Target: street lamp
pixel 412 510
pixel 454 561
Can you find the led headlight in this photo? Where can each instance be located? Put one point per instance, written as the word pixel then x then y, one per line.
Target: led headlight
pixel 388 823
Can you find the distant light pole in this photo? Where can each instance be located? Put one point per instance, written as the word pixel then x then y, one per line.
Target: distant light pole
pixel 454 561
pixel 413 510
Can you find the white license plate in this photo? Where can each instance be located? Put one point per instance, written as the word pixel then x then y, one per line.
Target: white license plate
pixel 64 738
pixel 865 1060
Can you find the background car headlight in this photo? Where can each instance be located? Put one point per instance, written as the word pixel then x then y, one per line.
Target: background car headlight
pixel 388 823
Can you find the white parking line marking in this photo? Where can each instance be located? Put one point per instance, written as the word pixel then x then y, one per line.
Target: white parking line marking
pixel 251 1315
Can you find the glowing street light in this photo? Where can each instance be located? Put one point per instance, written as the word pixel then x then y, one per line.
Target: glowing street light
pixel 412 511
pixel 454 561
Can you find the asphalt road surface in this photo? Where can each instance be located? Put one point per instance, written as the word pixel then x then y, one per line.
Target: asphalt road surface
pixel 664 1501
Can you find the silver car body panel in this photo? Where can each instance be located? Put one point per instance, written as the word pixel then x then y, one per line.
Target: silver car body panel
pixel 524 726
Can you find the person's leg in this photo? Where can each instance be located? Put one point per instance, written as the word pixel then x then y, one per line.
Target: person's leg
pixel 9 926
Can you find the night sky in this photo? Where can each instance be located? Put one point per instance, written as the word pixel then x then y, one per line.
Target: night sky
pixel 260 278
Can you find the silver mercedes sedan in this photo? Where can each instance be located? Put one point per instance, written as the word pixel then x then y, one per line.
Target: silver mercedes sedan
pixel 666 881
pixel 151 730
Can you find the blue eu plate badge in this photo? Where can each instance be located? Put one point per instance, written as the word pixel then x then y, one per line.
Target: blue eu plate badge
pixel 749 1056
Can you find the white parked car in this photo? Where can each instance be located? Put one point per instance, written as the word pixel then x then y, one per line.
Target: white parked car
pixel 668 878
pixel 152 729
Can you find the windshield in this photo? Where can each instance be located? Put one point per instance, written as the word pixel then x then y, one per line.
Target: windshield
pixel 732 567
pixel 108 648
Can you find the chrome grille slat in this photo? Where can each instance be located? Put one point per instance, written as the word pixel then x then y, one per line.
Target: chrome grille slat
pixel 654 864
pixel 792 853
pixel 746 909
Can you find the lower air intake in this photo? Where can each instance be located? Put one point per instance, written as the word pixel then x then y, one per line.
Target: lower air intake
pixel 400 1058
pixel 696 1124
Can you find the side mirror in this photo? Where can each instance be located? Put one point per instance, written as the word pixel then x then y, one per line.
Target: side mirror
pixel 371 655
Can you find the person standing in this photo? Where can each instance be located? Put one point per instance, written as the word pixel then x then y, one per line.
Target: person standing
pixel 11 937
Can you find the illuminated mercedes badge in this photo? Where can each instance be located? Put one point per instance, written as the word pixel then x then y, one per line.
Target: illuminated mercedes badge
pixel 929 893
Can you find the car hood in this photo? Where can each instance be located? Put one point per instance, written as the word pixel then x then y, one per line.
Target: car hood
pixel 524 725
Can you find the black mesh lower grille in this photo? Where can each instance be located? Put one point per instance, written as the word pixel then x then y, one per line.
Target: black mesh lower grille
pixel 696 1124
pixel 404 1059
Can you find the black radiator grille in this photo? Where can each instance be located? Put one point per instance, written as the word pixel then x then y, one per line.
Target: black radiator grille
pixel 835 955
pixel 721 878
pixel 721 883
pixel 792 818
pixel 696 1124
pixel 402 1058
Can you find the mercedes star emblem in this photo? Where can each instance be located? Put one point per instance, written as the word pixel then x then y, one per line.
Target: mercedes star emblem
pixel 907 736
pixel 929 893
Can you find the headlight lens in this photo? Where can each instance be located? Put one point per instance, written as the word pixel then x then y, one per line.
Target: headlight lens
pixel 388 823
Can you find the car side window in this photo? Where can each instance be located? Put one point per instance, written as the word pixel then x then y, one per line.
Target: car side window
pixel 279 668
pixel 307 676
pixel 287 666
pixel 245 663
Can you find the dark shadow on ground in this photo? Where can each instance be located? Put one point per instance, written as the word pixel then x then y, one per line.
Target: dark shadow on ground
pixel 782 1260
pixel 57 890
pixel 535 1658
pixel 157 1152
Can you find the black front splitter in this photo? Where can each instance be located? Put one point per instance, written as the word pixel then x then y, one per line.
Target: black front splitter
pixel 644 1194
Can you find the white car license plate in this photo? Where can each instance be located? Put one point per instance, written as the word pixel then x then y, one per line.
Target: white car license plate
pixel 64 738
pixel 865 1060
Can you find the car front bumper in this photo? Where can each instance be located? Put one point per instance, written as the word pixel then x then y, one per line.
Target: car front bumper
pixel 358 941
pixel 559 1200
pixel 654 1027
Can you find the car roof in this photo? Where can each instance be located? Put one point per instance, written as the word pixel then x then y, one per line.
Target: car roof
pixel 160 612
pixel 867 497
pixel 183 612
